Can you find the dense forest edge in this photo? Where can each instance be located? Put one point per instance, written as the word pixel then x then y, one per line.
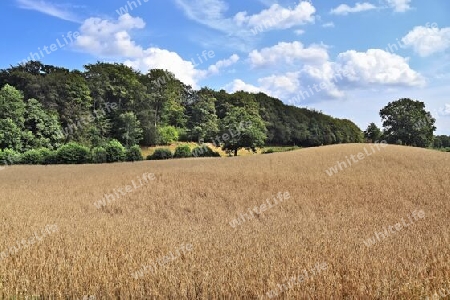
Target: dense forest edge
pixel 106 112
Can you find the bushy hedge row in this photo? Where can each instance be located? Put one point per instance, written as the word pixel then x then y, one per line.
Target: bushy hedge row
pixel 72 153
pixel 159 154
pixel 113 151
pixel 183 151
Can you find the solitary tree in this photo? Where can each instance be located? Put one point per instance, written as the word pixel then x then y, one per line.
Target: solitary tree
pixel 372 133
pixel 406 121
pixel 240 129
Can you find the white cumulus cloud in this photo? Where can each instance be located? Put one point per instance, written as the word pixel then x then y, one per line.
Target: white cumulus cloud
pixel 376 66
pixel 278 17
pixel 344 9
pixel 287 53
pixel 428 40
pixel 240 85
pixel 399 5
pixel 318 77
pixel 112 39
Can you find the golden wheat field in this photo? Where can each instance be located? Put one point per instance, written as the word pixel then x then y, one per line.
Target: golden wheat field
pixel 183 229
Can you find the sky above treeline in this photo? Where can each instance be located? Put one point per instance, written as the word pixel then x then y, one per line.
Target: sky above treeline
pixel 345 58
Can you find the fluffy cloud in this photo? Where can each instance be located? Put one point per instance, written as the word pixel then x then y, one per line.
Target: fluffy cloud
pixel 288 82
pixel 279 86
pixel 377 66
pixel 212 14
pixel 325 79
pixel 240 85
pixel 221 64
pixel 214 69
pixel 344 9
pixel 428 40
pixel 287 53
pixel 444 111
pixel 155 58
pixel 111 39
pixel 278 17
pixel 399 5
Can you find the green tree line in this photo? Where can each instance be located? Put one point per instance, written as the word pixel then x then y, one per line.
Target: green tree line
pixel 44 106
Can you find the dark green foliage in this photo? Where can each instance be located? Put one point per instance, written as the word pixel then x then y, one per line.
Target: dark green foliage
pixel 134 153
pixel 406 122
pixel 73 153
pixel 289 125
pixel 203 120
pixel 47 106
pixel 160 154
pixel 268 151
pixel 9 157
pixel 441 141
pixel 183 135
pixel 182 151
pixel 115 152
pixel 239 129
pixel 49 157
pixel 99 155
pixel 43 127
pixel 372 133
pixel 32 157
pixel 204 151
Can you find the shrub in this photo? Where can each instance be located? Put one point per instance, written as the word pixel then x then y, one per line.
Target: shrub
pixel 160 153
pixel 49 157
pixel 268 151
pixel 73 153
pixel 204 151
pixel 182 151
pixel 134 154
pixel 9 157
pixel 32 157
pixel 167 135
pixel 99 155
pixel 115 151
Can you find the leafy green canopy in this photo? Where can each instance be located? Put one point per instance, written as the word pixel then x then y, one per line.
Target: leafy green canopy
pixel 406 122
pixel 48 106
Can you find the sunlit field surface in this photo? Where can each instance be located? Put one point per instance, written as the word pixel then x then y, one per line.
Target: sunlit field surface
pixel 188 233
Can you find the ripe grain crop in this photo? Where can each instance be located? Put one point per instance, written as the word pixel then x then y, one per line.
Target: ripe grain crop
pixel 191 201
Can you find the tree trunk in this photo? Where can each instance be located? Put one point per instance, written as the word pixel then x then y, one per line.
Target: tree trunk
pixel 235 152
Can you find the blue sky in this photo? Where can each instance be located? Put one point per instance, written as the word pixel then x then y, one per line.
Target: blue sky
pixel 346 58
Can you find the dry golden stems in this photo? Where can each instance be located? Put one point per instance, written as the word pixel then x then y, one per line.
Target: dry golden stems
pixel 191 201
